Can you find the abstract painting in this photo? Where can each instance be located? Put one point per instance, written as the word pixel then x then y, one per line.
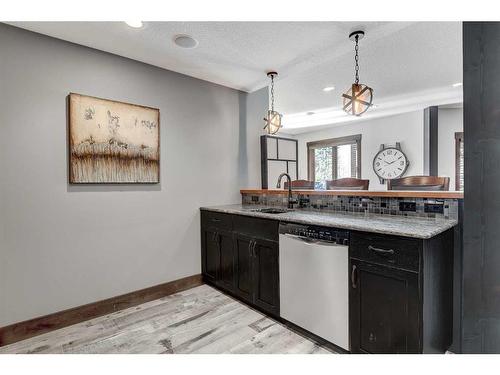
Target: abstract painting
pixel 112 142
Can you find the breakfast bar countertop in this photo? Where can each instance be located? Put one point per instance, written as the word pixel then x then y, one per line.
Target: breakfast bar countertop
pixel 362 193
pixel 405 226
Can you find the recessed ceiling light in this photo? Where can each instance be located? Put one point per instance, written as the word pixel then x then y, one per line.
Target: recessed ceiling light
pixel 458 84
pixel 329 88
pixel 310 113
pixel 134 24
pixel 185 41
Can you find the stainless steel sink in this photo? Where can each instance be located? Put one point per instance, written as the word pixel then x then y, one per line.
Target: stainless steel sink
pixel 272 210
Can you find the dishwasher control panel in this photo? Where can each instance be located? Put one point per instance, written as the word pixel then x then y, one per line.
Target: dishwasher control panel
pixel 338 236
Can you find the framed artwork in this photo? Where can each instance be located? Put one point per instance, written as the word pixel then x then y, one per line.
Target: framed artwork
pixel 112 142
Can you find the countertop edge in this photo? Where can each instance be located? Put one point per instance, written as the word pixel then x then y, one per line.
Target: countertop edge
pixel 364 193
pixel 340 226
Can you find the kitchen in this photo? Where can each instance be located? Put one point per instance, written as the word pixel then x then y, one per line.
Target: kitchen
pixel 365 248
pixel 248 187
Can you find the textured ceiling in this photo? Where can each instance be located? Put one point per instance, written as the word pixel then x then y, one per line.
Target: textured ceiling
pixel 419 57
pixel 396 58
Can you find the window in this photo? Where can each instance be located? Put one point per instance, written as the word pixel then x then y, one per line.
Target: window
pixel 331 159
pixel 459 161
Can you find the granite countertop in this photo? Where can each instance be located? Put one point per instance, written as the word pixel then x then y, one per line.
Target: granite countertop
pixel 405 226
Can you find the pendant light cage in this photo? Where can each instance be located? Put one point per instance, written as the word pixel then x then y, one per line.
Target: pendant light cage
pixel 359 97
pixel 273 119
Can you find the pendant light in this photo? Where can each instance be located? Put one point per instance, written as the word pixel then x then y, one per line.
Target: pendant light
pixel 359 97
pixel 273 120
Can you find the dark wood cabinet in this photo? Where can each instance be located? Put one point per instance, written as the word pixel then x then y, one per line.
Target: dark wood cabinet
pixel 257 272
pixel 217 255
pixel 244 261
pixel 244 265
pixel 227 264
pixel 401 294
pixel 210 254
pixel 384 309
pixel 266 275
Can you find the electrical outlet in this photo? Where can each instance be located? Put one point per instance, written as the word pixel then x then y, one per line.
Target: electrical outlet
pixel 407 206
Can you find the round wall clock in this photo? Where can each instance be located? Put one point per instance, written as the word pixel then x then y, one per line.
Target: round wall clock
pixel 390 162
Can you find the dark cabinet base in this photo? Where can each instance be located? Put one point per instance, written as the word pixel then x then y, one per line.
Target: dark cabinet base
pixel 401 294
pixel 240 256
pixel 266 276
pixel 384 313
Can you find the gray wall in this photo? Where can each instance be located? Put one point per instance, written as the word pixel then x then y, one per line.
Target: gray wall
pixel 62 246
pixel 253 107
pixel 406 128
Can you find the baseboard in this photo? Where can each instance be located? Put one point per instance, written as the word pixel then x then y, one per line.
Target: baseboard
pixel 33 327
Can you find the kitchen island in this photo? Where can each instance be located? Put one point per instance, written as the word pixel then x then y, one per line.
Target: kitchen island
pixel 388 289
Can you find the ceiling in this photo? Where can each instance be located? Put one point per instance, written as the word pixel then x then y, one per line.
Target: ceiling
pixel 408 64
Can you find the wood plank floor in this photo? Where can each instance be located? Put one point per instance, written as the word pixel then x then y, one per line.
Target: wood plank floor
pixel 198 320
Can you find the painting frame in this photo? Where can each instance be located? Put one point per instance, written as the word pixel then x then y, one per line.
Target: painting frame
pixel 71 128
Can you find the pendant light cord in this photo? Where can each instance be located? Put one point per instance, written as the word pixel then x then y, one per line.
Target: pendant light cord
pixel 272 92
pixel 356 60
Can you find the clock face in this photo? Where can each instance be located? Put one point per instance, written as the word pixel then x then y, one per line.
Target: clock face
pixel 390 163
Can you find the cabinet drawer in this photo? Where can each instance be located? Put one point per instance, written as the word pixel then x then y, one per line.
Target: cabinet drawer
pixel 256 227
pixel 217 220
pixel 393 251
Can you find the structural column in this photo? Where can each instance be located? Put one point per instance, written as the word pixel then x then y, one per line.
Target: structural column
pixel 481 236
pixel 431 141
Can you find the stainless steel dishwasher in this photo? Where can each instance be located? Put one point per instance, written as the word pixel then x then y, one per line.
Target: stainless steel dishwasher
pixel 314 280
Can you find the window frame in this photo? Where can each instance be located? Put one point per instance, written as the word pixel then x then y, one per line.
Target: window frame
pixel 459 139
pixel 332 142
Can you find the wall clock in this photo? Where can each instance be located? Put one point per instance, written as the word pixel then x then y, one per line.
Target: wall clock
pixel 390 162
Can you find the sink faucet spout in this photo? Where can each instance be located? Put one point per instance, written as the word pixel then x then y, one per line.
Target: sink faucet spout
pixel 289 180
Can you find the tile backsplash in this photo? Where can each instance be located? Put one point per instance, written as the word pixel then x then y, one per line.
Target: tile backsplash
pixel 415 207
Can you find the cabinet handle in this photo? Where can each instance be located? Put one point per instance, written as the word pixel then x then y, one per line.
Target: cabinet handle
pixel 253 249
pixel 354 277
pixel 215 220
pixel 381 251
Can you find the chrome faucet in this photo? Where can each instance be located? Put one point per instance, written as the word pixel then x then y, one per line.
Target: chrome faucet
pixel 291 201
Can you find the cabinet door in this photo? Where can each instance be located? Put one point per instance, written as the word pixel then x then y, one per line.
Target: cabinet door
pixel 210 254
pixel 266 276
pixel 227 261
pixel 384 309
pixel 243 270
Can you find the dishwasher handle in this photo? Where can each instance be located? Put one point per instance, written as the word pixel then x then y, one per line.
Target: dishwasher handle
pixel 311 241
